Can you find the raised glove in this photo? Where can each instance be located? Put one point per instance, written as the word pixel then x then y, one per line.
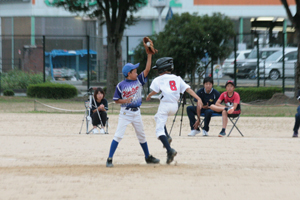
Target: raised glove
pixel 148 44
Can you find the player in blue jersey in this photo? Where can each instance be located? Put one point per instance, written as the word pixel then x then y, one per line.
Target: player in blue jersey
pixel 128 93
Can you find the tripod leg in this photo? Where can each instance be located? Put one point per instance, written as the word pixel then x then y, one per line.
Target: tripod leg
pixel 176 114
pixel 87 125
pixel 181 119
pixel 82 124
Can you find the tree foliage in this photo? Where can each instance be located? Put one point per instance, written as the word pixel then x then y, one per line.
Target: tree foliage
pixel 188 37
pixel 117 14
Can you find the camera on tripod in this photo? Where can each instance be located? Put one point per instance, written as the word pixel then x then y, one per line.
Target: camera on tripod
pixel 90 91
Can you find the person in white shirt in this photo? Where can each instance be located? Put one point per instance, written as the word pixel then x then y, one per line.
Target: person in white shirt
pixel 170 87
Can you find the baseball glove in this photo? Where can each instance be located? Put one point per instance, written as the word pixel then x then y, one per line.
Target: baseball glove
pixel 148 44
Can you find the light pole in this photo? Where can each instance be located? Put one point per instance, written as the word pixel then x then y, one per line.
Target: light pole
pixel 159 5
pixel 264 73
pixel 264 57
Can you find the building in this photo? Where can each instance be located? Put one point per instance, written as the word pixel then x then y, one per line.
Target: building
pixel 25 22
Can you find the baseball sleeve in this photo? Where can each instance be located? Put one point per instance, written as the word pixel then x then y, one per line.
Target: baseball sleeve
pixel 183 86
pixel 141 77
pixel 155 86
pixel 117 94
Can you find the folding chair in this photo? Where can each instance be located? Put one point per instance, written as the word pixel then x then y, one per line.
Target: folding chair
pixel 203 116
pixel 87 117
pixel 232 117
pixel 99 126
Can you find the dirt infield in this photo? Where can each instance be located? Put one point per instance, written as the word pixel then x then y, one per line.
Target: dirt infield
pixel 43 157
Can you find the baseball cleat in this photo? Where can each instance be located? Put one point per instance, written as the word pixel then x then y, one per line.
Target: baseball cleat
pixel 151 160
pixel 169 140
pixel 170 155
pixel 109 162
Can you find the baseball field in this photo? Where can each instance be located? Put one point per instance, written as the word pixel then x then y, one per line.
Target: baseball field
pixel 43 156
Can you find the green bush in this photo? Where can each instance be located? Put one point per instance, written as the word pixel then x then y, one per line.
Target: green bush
pixel 8 93
pixel 17 79
pixel 52 91
pixel 254 93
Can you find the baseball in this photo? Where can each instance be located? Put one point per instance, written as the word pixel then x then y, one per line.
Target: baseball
pixel 148 44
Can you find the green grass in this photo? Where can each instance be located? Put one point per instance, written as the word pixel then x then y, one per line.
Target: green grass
pixel 27 105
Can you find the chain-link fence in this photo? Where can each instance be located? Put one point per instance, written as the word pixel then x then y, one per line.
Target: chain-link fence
pixel 258 60
pixel 255 59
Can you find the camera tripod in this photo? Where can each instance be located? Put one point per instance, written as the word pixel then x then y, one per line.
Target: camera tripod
pixel 87 115
pixel 181 103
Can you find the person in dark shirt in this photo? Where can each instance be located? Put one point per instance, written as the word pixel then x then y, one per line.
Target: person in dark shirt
pixel 208 96
pixel 102 107
pixel 297 118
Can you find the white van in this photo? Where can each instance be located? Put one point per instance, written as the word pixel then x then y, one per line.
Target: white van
pixel 228 63
pixel 272 67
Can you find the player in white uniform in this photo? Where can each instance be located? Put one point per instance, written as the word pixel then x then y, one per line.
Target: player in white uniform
pixel 128 93
pixel 170 87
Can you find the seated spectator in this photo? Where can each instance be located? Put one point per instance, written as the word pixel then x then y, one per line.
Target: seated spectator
pixel 297 118
pixel 102 107
pixel 208 96
pixel 232 105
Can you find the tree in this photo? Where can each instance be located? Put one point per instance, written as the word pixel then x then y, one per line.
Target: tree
pixel 183 38
pixel 118 14
pixel 219 31
pixel 140 56
pixel 296 23
pixel 188 37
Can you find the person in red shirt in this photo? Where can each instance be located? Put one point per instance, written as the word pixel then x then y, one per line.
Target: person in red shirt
pixel 231 107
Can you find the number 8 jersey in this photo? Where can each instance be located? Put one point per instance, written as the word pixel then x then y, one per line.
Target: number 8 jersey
pixel 170 87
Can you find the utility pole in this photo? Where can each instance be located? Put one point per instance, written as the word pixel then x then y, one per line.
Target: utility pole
pixel 159 5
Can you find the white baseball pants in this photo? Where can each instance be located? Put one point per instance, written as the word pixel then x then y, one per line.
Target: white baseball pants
pixel 165 109
pixel 130 117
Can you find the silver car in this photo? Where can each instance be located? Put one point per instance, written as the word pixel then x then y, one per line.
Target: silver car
pixel 228 64
pixel 272 67
pixel 246 68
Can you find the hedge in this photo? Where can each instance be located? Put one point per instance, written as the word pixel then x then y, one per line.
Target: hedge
pixel 16 79
pixel 254 93
pixel 8 93
pixel 52 91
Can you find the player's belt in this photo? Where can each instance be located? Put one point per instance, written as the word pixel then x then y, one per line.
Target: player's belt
pixel 132 109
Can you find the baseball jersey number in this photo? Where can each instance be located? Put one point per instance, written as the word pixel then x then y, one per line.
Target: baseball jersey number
pixel 173 85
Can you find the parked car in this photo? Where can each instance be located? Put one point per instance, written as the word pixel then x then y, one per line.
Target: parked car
pixel 247 67
pixel 272 67
pixel 228 64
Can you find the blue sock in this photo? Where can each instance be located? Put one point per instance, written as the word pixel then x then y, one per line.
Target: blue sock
pixel 165 142
pixel 145 149
pixel 113 147
pixel 223 130
pixel 166 132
